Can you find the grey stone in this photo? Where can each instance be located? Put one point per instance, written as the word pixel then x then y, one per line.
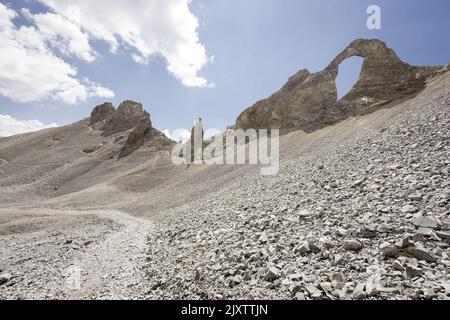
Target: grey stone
pixel 263 238
pixel 337 277
pixel 300 296
pixel 303 248
pixel 341 232
pixel 426 222
pixel 313 247
pixel 4 278
pixel 313 292
pixel 421 253
pixel 359 292
pixel 398 266
pixel 353 245
pixel 409 209
pixel 272 274
pixel 367 233
pixel 444 235
pixel 388 250
pixel 428 232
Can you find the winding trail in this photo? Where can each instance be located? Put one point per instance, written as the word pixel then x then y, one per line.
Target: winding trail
pixel 113 269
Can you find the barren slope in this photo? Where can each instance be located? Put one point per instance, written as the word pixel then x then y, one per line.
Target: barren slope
pixel 226 231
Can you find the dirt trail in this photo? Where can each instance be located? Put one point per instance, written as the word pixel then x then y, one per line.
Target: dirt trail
pixel 112 269
pixel 71 254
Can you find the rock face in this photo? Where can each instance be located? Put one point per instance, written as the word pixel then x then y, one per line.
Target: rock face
pixel 309 101
pixel 102 112
pixel 126 117
pixel 129 117
pixel 138 137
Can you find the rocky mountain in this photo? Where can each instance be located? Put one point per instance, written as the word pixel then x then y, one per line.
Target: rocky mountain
pixel 360 208
pixel 70 158
pixel 309 101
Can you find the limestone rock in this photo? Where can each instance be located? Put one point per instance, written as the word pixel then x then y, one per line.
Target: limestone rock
pixel 127 116
pixel 102 112
pixel 4 278
pixel 353 245
pixel 426 222
pixel 421 253
pixel 309 101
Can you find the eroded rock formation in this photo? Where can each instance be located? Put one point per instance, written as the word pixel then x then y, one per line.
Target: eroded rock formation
pixel 309 101
pixel 130 117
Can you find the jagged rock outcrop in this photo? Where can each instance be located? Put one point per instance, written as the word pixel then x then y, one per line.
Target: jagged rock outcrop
pixel 126 117
pixel 129 117
pixel 102 112
pixel 138 137
pixel 309 101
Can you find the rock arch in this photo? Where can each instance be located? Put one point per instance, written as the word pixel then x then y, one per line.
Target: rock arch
pixel 309 101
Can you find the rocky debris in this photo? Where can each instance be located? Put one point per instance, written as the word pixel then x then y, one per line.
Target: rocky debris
pixel 107 249
pixel 92 149
pixel 264 230
pixel 367 232
pixel 309 101
pixel 4 278
pixel 359 293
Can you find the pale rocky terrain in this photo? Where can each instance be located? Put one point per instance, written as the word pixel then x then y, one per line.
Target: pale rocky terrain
pixel 359 210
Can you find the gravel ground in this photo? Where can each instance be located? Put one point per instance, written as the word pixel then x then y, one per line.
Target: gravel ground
pixel 359 210
pixel 368 218
pixel 73 255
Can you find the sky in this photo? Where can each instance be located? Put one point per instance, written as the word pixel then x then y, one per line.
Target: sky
pixel 186 59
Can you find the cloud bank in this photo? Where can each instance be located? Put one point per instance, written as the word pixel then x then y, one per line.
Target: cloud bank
pixel 10 126
pixel 30 71
pixel 150 27
pixel 33 56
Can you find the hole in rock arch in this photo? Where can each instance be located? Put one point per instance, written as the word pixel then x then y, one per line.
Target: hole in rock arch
pixel 348 75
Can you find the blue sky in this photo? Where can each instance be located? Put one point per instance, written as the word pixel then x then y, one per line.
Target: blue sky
pixel 256 46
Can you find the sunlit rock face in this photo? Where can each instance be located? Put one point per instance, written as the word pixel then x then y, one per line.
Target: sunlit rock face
pixel 131 121
pixel 308 101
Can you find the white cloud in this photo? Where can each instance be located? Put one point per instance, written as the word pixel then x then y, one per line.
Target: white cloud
pixel 184 135
pixel 178 135
pixel 10 126
pixel 164 27
pixel 63 34
pixel 29 71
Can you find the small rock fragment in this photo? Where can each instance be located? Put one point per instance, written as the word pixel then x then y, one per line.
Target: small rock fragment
pixel 359 292
pixel 421 253
pixel 353 245
pixel 409 209
pixel 426 222
pixel 388 250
